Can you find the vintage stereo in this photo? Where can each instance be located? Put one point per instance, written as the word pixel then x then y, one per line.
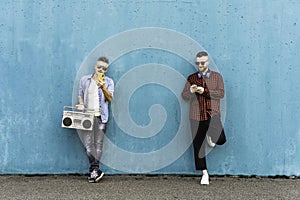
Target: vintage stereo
pixel 77 119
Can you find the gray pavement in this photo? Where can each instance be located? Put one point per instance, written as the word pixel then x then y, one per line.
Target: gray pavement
pixel 146 187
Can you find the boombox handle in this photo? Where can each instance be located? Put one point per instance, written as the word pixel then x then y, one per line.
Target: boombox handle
pixel 73 107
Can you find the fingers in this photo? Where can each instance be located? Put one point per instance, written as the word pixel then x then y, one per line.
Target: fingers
pixel 80 107
pixel 200 90
pixel 100 83
pixel 194 88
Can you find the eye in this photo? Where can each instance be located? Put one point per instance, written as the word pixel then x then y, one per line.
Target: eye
pixel 102 67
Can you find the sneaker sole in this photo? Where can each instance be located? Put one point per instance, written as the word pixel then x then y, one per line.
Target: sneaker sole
pixel 91 181
pixel 204 183
pixel 99 178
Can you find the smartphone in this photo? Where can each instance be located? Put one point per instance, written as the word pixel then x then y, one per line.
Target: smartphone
pixel 101 76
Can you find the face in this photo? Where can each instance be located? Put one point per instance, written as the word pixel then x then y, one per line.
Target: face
pixel 101 67
pixel 202 63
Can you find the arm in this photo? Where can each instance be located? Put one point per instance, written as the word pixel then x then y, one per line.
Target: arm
pixel 80 105
pixel 218 92
pixel 186 93
pixel 107 90
pixel 80 100
pixel 107 94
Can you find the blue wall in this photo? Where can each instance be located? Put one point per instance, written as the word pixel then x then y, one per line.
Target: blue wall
pixel 46 46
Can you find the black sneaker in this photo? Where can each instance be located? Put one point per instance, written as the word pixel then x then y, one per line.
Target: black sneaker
pixel 100 175
pixel 93 175
pixel 90 179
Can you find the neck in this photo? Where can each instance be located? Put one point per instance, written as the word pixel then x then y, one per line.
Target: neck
pixel 94 76
pixel 204 72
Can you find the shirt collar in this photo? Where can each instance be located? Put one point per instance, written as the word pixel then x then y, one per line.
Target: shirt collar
pixel 90 76
pixel 207 75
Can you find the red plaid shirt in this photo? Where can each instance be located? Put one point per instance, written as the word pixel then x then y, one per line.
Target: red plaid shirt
pixel 207 104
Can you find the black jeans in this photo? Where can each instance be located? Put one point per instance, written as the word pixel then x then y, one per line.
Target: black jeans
pixel 211 127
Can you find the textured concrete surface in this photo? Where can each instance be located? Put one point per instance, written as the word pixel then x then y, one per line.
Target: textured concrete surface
pixel 146 187
pixel 43 45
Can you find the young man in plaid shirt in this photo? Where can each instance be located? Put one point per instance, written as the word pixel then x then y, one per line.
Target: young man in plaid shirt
pixel 204 89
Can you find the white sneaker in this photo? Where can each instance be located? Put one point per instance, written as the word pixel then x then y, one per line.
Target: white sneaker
pixel 205 179
pixel 210 142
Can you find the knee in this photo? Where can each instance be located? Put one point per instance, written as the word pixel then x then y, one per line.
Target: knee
pixel 89 149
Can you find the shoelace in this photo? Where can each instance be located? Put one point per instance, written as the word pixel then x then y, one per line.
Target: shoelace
pixel 94 174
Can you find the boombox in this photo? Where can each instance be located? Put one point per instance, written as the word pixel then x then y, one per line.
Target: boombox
pixel 77 120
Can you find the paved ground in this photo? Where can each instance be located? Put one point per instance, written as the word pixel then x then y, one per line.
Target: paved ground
pixel 146 187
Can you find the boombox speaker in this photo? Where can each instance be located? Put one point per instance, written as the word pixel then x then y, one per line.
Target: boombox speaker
pixel 77 120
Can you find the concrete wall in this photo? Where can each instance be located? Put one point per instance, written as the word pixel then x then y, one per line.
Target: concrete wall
pixel 45 46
